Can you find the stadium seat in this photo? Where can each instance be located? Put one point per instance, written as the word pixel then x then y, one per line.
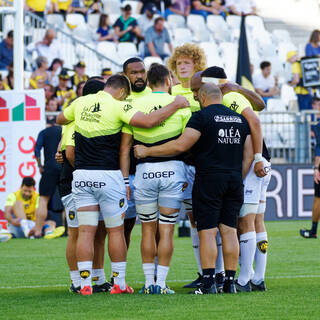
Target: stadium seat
pixel 276 105
pixel 113 17
pixel 181 36
pixel 148 61
pixel 93 21
pixel 112 7
pixel 196 23
pixel 281 35
pixel 234 21
pixel 133 4
pixel 284 48
pixel 69 55
pixel 108 49
pixel 176 21
pixel 55 19
pixel 287 94
pixel 127 50
pixel 219 27
pixel 209 47
pixel 75 19
pixel 254 22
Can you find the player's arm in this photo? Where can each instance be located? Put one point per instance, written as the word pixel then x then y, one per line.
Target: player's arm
pixel 125 147
pixel 40 220
pixel 247 156
pixel 37 150
pixel 153 119
pixel 189 137
pixel 70 154
pixel 8 210
pixel 256 134
pixel 58 155
pixel 67 115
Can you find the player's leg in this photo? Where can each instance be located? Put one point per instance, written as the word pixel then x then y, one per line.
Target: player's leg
pixel 18 211
pixel 219 264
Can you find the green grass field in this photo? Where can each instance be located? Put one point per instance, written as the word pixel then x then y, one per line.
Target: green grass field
pixel 34 283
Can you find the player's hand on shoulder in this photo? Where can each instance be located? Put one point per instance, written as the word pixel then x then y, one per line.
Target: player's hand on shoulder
pixel 140 151
pixel 181 102
pixel 259 169
pixel 229 86
pixel 59 157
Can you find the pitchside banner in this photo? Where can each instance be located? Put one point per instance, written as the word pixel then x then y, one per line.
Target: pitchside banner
pixel 290 192
pixel 22 117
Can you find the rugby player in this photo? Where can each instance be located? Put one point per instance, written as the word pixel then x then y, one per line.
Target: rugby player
pixel 93 85
pixel 219 137
pixel 98 184
pixel 159 182
pixel 253 236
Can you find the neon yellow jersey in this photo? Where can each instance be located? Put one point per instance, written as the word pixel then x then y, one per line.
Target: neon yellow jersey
pixel 187 93
pixel 37 5
pixel 67 136
pixel 98 122
pixel 236 101
pixel 169 129
pixel 29 205
pixel 63 4
pixel 135 95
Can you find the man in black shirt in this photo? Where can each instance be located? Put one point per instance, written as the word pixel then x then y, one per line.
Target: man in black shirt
pixel 222 149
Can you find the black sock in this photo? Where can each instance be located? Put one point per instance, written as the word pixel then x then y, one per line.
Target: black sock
pixel 208 277
pixel 314 227
pixel 230 275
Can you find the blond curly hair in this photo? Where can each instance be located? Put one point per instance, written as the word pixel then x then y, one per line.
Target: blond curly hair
pixel 188 50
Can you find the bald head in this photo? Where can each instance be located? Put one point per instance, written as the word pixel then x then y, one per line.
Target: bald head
pixel 196 84
pixel 50 36
pixel 209 93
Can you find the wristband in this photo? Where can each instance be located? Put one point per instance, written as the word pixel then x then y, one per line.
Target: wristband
pixel 126 181
pixel 258 157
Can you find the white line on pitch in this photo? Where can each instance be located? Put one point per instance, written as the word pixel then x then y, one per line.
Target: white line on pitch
pixel 141 282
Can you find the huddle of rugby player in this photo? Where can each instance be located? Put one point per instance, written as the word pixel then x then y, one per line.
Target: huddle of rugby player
pixel 103 187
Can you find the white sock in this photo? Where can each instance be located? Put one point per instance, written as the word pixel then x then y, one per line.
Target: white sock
pixel 195 244
pixel 119 273
pixel 75 278
pixel 247 251
pixel 162 276
pixel 260 258
pixel 25 227
pixel 219 261
pixel 98 276
pixel 85 271
pixel 155 265
pixel 148 270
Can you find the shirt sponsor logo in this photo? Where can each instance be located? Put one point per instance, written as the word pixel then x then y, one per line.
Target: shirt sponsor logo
pixel 90 184
pixel 234 106
pixel 248 191
pixel 158 174
pixel 127 107
pixel 229 136
pixel 90 114
pixel 227 119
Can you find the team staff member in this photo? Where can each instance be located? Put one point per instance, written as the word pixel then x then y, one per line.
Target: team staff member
pixel 98 184
pixel 136 72
pixel 159 182
pixel 219 137
pixel 93 85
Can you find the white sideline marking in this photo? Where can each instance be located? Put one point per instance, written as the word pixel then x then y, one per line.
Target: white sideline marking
pixel 141 282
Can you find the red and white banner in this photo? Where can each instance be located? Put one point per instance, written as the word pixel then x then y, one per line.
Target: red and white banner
pixel 22 117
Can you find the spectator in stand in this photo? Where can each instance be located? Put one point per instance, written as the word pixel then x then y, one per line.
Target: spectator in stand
pixel 40 74
pixel 147 19
pixel 313 47
pixel 36 6
pixel 6 51
pixel 180 7
pixel 61 6
pixel 161 5
pixel 106 73
pixel 303 95
pixel 80 88
pixel 126 27
pixel 8 81
pixel 54 71
pixel 49 91
pixel 51 106
pixel 207 7
pixel 104 29
pixel 265 83
pixel 242 7
pixel 86 7
pixel 155 39
pixel 80 74
pixel 64 93
pixel 48 47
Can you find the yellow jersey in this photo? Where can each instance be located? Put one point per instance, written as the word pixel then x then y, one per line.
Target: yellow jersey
pixel 188 94
pixel 135 95
pixel 63 4
pixel 296 68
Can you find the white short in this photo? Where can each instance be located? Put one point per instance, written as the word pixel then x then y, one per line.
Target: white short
pixel 71 211
pixel 161 182
pixel 255 188
pixel 190 174
pixel 105 188
pixel 131 212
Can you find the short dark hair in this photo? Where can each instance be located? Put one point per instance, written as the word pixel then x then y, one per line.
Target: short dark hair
pixel 157 74
pixel 315 99
pixel 264 64
pixel 131 60
pixel 118 81
pixel 10 34
pixel 214 72
pixel 159 19
pixel 28 182
pixel 93 85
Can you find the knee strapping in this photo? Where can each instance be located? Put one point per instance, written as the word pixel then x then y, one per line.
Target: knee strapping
pixel 168 219
pixel 262 207
pixel 187 205
pixel 88 218
pixel 147 212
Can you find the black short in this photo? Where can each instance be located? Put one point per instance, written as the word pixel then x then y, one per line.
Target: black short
pixel 49 182
pixel 317 190
pixel 217 198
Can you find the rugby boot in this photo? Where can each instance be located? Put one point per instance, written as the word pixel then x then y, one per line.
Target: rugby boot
pixel 159 290
pixel 245 288
pixel 220 281
pixel 258 287
pixel 105 287
pixel 308 234
pixel 86 291
pixel 194 284
pixel 116 290
pixel 229 287
pixel 202 290
pixel 56 233
pixel 149 290
pixel 74 289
